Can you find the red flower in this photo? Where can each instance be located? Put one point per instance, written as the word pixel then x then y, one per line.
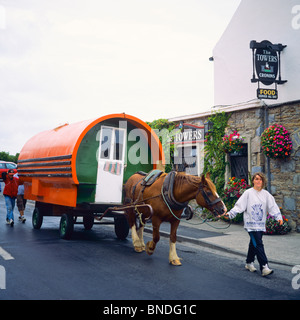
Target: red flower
pixel 276 142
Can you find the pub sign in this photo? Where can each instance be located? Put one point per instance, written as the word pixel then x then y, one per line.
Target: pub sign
pixel 266 67
pixel 189 133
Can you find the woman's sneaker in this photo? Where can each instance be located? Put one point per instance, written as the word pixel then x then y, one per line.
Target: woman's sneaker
pixel 250 267
pixel 11 222
pixel 266 270
pixel 7 221
pixel 22 219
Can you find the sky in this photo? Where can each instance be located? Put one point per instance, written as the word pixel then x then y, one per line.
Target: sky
pixel 63 61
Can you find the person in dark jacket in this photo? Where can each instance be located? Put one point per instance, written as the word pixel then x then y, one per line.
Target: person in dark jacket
pixel 10 192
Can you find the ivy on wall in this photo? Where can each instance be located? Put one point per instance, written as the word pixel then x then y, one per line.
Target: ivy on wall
pixel 215 160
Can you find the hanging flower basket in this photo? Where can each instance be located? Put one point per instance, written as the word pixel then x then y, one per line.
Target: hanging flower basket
pixel 276 142
pixel 273 227
pixel 232 143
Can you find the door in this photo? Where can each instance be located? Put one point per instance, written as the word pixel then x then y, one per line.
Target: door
pixel 110 165
pixel 239 163
pixel 239 167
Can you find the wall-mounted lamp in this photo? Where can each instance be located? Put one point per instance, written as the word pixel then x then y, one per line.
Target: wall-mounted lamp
pixel 208 127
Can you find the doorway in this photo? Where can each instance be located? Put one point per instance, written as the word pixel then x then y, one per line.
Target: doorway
pixel 110 172
pixel 239 163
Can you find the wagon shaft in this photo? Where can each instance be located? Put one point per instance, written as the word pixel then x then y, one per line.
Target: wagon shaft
pixel 122 210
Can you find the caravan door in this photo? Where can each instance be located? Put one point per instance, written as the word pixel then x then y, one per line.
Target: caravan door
pixel 111 159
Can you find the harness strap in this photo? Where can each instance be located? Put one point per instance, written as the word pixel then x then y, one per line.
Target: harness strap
pixel 203 193
pixel 167 192
pixel 134 188
pixel 147 180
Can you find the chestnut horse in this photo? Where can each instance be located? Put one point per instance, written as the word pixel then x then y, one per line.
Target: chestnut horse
pixel 185 188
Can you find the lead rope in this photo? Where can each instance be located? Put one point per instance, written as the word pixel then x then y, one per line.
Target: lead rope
pixel 229 224
pixel 203 220
pixel 140 216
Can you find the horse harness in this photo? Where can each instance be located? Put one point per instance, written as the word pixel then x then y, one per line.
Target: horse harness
pixel 167 189
pixel 166 193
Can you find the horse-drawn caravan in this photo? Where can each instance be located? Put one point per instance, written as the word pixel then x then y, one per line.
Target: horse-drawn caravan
pixel 78 170
pixel 97 168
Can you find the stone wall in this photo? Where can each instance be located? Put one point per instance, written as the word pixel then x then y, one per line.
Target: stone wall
pixel 285 174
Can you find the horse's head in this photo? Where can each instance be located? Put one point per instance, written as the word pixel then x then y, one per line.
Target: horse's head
pixel 208 197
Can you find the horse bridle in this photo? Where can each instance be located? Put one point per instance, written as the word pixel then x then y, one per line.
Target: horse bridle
pixel 205 196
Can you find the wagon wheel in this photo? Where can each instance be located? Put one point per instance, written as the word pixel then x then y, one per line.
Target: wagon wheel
pixel 121 227
pixel 37 218
pixel 88 222
pixel 66 226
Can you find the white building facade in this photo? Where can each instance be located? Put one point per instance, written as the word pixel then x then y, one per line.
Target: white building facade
pixel 277 21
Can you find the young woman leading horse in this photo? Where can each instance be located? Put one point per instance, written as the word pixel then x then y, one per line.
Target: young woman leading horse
pixel 168 195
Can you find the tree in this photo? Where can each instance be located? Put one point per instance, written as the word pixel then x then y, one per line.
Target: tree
pixel 5 156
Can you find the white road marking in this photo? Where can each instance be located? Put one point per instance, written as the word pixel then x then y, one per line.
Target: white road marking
pixel 5 255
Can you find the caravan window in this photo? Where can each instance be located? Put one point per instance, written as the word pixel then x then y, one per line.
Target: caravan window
pixel 106 142
pixel 118 146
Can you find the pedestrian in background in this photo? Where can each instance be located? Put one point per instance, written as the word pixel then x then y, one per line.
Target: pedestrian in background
pixel 256 202
pixel 21 202
pixel 10 192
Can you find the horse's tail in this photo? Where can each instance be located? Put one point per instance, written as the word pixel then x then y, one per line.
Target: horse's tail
pixel 126 192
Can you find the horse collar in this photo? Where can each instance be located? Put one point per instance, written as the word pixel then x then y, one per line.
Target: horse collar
pixel 167 190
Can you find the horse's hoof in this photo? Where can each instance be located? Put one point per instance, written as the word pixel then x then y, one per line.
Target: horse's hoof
pixel 139 249
pixel 176 262
pixel 149 250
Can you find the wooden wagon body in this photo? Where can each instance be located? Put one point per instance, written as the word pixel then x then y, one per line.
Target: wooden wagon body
pixel 79 169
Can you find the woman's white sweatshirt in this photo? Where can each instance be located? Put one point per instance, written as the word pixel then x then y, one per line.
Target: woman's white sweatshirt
pixel 255 205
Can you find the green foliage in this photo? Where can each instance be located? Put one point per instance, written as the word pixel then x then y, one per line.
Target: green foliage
pixel 214 161
pixel 165 131
pixel 5 156
pixel 161 124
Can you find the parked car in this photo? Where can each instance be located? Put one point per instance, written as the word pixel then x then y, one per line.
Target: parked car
pixel 4 166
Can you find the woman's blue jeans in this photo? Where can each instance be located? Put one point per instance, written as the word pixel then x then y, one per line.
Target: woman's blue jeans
pixel 256 248
pixel 10 205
